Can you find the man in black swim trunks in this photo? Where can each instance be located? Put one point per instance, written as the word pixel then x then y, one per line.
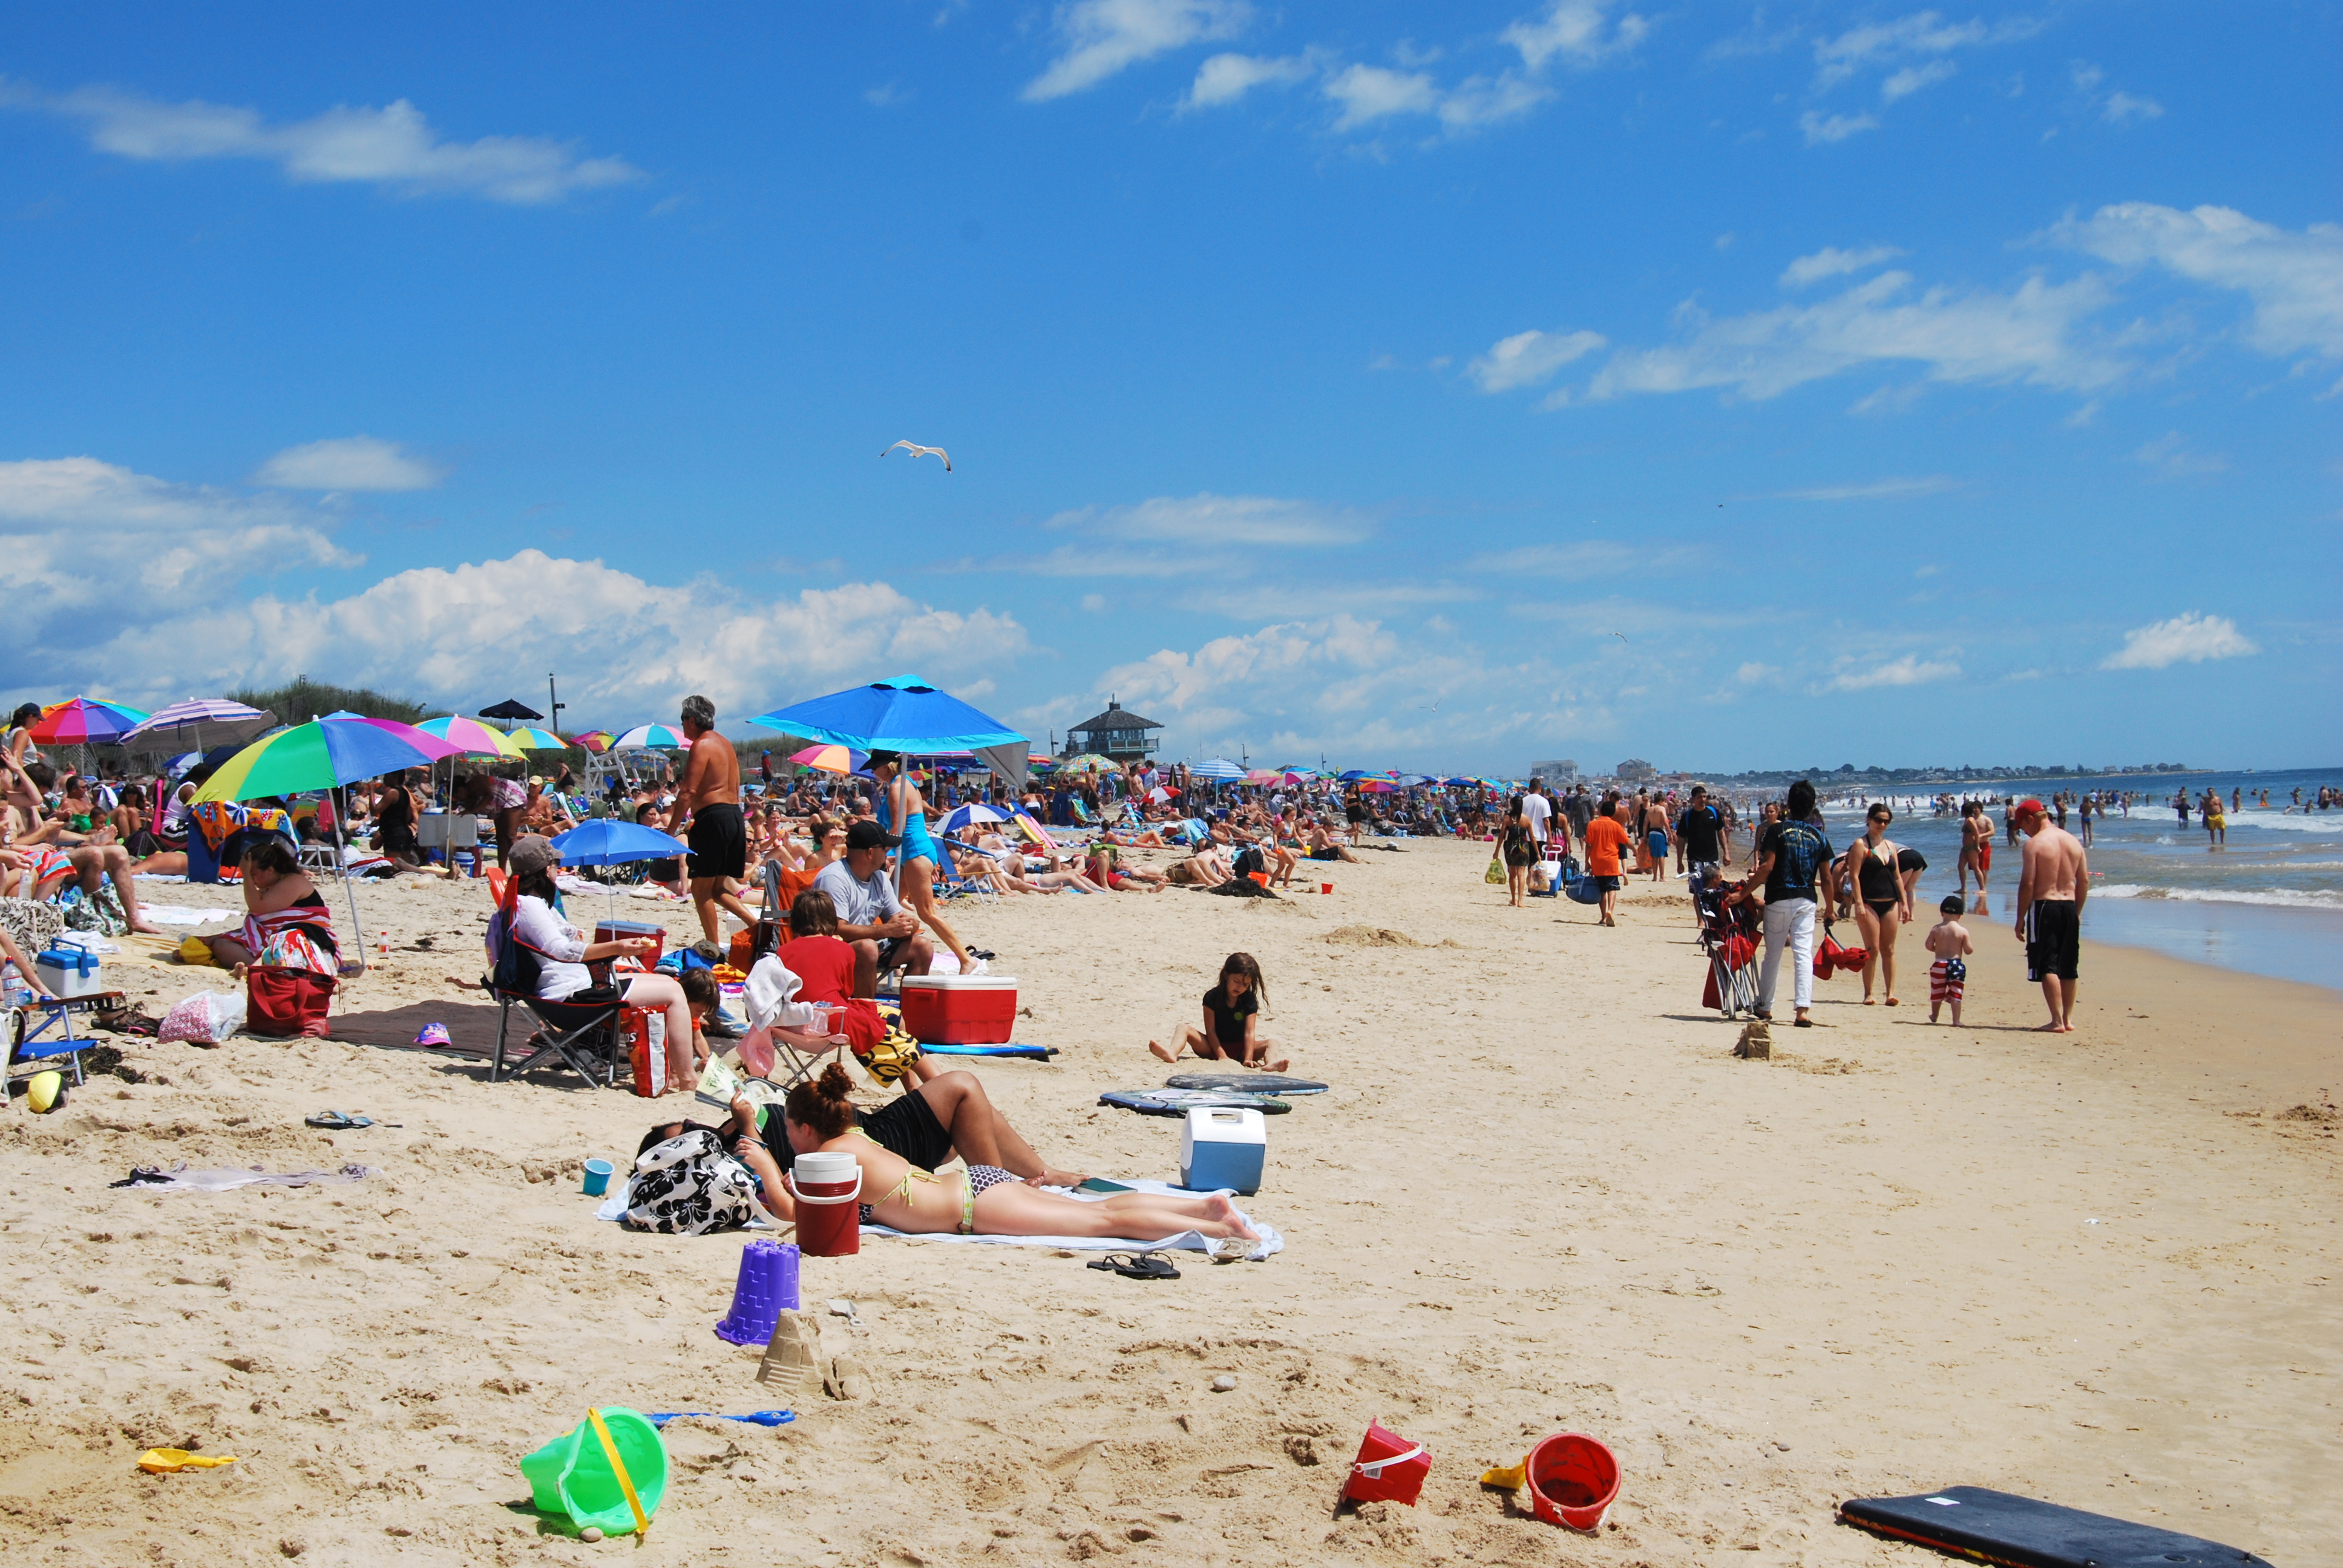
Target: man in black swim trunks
pixel 2053 879
pixel 709 801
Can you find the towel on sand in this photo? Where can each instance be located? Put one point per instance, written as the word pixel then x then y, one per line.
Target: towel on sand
pixel 1270 1244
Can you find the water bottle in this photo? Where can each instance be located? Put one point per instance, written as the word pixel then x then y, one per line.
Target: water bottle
pixel 14 992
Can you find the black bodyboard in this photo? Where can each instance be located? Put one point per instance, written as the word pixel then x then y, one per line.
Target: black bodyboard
pixel 2000 1527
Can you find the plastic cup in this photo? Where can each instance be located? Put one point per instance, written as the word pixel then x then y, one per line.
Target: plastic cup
pixel 1325 887
pixel 598 1177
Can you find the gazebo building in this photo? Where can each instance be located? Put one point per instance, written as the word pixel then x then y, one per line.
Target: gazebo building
pixel 1117 733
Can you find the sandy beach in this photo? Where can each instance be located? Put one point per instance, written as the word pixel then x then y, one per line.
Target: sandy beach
pixel 2100 1268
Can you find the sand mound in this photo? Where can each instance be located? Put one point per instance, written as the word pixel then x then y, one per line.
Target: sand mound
pixel 1372 936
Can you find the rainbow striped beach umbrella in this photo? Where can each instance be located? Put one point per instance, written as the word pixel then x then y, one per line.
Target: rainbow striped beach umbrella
pixel 529 738
pixel 322 754
pixel 470 735
pixel 832 758
pixel 595 741
pixel 82 720
pixel 648 737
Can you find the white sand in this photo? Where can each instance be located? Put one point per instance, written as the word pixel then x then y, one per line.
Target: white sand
pixel 1542 1196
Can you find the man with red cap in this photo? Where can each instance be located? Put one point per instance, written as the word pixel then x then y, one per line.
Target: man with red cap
pixel 2053 881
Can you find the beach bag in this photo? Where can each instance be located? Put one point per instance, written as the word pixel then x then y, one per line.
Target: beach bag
pixel 689 1186
pixel 1495 875
pixel 642 1034
pixel 206 1017
pixel 281 1003
pixel 764 936
pixel 100 913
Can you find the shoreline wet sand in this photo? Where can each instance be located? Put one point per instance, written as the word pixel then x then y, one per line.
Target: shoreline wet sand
pixel 2100 1268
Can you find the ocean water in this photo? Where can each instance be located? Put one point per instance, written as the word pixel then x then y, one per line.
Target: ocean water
pixel 2269 902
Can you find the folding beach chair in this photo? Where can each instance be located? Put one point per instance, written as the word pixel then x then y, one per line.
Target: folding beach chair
pixel 583 1034
pixel 31 1049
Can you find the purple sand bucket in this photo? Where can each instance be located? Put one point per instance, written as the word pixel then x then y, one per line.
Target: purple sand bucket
pixel 768 1287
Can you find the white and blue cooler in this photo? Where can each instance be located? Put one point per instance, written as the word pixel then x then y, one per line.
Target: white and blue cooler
pixel 69 971
pixel 1222 1148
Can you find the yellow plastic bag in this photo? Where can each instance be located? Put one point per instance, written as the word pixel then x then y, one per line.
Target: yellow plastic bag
pixel 1495 876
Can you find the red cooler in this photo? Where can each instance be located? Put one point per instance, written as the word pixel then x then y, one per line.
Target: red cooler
pixel 960 1010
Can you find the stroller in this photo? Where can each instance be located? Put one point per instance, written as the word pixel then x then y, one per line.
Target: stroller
pixel 1729 934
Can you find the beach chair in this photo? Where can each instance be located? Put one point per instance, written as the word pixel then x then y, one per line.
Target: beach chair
pixel 30 1049
pixel 583 1034
pixel 1730 936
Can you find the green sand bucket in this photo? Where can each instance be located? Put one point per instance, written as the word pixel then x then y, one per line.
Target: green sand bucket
pixel 573 1476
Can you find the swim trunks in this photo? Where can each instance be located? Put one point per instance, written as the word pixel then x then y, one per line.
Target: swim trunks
pixel 2054 938
pixel 1948 980
pixel 1657 842
pixel 720 841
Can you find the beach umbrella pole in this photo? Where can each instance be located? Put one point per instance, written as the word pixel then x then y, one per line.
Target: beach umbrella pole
pixel 342 866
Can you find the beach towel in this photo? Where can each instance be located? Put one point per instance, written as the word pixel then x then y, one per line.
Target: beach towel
pixel 615 1206
pixel 1270 1244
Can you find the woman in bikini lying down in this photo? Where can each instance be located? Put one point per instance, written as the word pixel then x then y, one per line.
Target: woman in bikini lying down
pixel 981 1199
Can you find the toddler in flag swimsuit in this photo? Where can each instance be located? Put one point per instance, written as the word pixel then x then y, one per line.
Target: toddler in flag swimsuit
pixel 1948 976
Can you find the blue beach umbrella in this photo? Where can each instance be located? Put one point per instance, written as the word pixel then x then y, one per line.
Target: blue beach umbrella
pixel 609 841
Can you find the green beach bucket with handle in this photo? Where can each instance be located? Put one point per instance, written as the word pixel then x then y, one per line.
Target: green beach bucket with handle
pixel 608 1471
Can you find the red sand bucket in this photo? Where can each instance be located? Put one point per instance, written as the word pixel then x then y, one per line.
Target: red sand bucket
pixel 1325 887
pixel 1260 877
pixel 826 1187
pixel 1573 1480
pixel 1389 1468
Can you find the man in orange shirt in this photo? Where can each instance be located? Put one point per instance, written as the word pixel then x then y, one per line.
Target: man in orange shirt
pixel 1606 835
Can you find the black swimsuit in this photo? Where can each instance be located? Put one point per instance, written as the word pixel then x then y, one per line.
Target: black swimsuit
pixel 1877 879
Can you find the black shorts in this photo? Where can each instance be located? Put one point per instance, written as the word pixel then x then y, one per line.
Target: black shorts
pixel 2054 938
pixel 906 1126
pixel 720 841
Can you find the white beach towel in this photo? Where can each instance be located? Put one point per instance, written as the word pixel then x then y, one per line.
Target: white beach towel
pixel 173 915
pixel 1271 1243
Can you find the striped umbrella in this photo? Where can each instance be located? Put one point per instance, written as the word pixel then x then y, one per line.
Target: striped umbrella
pixel 469 736
pixel 832 758
pixel 84 719
pixel 646 737
pixel 595 741
pixel 201 721
pixel 321 755
pixel 528 739
pixel 1217 770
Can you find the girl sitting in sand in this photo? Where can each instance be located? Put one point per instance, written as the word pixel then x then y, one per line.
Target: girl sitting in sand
pixel 983 1199
pixel 1231 1009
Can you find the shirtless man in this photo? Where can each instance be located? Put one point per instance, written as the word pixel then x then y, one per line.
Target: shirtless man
pixel 709 804
pixel 2053 881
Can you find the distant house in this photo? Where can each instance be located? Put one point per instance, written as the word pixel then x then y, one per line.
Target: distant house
pixel 1118 733
pixel 1560 769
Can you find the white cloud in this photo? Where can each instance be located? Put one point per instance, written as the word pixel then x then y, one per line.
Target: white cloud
pixel 392 145
pixel 1226 78
pixel 2124 109
pixel 1920 34
pixel 1912 78
pixel 1312 598
pixel 1872 490
pixel 80 534
pixel 348 463
pixel 2294 280
pixel 2028 334
pixel 1752 673
pixel 1580 31
pixel 1908 671
pixel 886 96
pixel 1478 101
pixel 1205 518
pixel 1820 129
pixel 1583 558
pixel 1372 93
pixel 1526 358
pixel 2187 638
pixel 84 538
pixel 1099 38
pixel 1831 262
pixel 2171 455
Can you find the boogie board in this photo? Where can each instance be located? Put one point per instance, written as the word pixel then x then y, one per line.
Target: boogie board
pixel 1245 1083
pixel 1043 1052
pixel 1180 1101
pixel 2000 1527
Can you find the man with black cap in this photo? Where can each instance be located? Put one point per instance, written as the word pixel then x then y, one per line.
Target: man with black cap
pixel 884 934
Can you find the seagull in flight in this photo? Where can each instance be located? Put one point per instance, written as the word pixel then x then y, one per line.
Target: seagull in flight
pixel 917 450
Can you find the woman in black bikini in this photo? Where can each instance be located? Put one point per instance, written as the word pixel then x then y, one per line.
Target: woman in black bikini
pixel 1883 903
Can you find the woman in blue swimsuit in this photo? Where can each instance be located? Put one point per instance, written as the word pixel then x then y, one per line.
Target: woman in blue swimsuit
pixel 899 800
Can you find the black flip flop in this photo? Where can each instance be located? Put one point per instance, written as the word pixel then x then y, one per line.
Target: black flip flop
pixel 1143 1266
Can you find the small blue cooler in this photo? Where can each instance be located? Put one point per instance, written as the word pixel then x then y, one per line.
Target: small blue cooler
pixel 1222 1148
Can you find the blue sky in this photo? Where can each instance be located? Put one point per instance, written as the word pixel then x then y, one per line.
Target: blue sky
pixel 1436 386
